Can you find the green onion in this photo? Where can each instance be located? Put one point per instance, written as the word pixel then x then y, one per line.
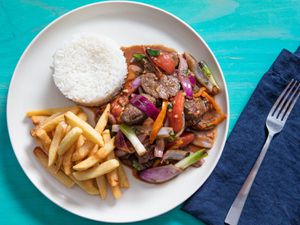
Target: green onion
pixel 153 52
pixel 130 134
pixel 172 137
pixel 136 165
pixel 138 56
pixel 170 105
pixel 191 159
pixel 203 66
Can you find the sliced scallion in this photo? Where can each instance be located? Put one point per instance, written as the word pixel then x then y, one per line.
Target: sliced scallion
pixel 191 159
pixel 138 56
pixel 130 134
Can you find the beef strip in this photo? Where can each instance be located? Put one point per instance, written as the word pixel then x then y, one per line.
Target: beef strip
pixel 149 155
pixel 169 87
pixel 140 163
pixel 149 83
pixel 148 66
pixel 145 128
pixel 132 115
pixel 194 109
pixel 164 88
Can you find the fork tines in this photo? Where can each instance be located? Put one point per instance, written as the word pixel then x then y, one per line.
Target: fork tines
pixel 286 101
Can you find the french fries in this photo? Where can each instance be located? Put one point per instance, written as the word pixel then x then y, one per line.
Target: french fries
pixel 94 150
pixel 76 153
pixel 44 139
pixel 102 122
pixel 83 116
pixel 83 151
pixel 116 191
pixel 106 136
pixel 86 185
pixel 52 123
pixel 57 137
pixel 88 131
pixel 67 161
pixel 60 176
pixel 101 183
pixel 68 128
pixel 49 118
pixel 95 158
pixel 101 180
pixel 80 141
pixel 70 138
pixel 112 177
pixel 97 171
pixel 37 120
pixel 59 162
pixel 123 180
pixel 51 111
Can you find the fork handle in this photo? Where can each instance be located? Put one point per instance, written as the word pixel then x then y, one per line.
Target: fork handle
pixel 236 208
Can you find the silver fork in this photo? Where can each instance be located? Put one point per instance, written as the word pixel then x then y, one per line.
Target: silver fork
pixel 275 122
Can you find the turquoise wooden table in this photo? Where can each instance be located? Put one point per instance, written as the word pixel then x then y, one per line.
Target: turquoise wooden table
pixel 245 36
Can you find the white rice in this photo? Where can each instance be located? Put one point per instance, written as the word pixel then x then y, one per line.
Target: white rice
pixel 90 69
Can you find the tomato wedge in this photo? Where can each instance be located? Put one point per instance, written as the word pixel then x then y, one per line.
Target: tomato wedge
pixel 184 140
pixel 118 105
pixel 166 62
pixel 117 108
pixel 176 117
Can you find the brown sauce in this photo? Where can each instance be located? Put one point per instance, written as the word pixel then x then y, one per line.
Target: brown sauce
pixel 130 50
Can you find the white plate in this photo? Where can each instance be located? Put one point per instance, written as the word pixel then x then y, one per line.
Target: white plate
pixel 32 88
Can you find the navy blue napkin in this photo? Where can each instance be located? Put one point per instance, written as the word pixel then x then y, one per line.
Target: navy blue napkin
pixel 275 195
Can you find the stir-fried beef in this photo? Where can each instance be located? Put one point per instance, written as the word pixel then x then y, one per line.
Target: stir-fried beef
pixel 194 109
pixel 148 66
pixel 169 86
pixel 150 82
pixel 164 88
pixel 190 121
pixel 147 156
pixel 132 115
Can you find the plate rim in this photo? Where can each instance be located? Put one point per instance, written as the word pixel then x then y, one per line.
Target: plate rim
pixel 114 3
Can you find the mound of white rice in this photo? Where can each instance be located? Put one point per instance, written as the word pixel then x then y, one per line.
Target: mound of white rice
pixel 89 69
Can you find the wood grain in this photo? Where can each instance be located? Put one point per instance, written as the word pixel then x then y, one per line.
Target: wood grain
pixel 245 36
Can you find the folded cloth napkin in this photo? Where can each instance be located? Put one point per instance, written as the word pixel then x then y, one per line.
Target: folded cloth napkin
pixel 275 194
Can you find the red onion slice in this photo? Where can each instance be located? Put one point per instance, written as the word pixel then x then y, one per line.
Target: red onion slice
pixel 143 104
pixel 136 82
